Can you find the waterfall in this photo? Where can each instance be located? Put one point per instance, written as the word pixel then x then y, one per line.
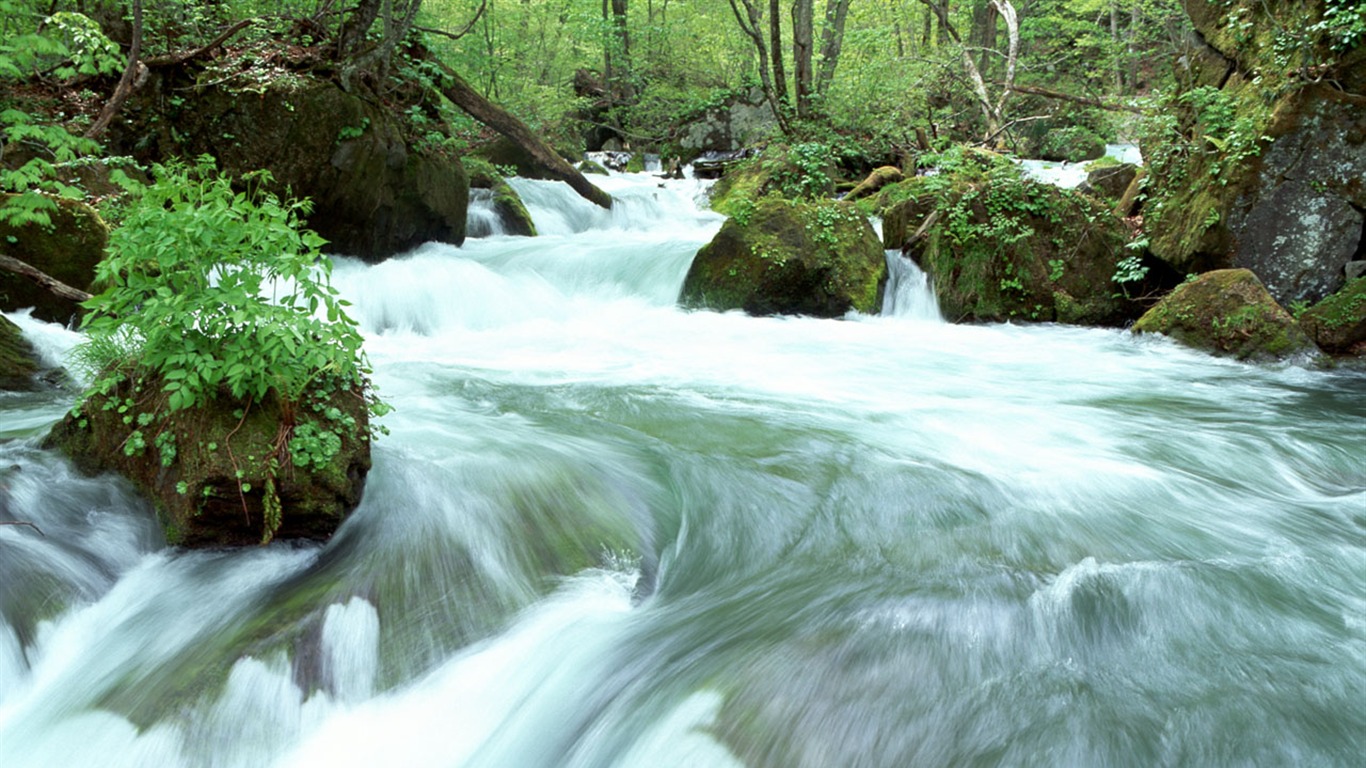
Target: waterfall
pixel 608 532
pixel 908 293
pixel 481 219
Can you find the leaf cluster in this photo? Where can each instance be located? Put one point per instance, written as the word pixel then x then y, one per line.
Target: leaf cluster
pixel 213 291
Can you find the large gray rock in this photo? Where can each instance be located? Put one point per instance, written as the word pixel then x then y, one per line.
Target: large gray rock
pixel 1301 222
pixel 732 126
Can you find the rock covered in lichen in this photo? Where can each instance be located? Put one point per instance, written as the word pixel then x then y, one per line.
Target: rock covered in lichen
pixel 1260 167
pixel 1227 312
pixel 1338 323
pixel 791 258
pixel 377 188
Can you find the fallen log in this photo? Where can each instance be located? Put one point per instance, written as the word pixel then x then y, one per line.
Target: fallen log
pixel 57 287
pixel 472 102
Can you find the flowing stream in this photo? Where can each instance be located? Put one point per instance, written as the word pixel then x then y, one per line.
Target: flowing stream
pixel 608 532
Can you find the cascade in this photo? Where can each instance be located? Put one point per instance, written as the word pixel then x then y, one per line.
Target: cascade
pixel 605 531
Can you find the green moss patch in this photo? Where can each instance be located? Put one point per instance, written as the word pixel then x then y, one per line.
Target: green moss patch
pixel 1227 312
pixel 790 257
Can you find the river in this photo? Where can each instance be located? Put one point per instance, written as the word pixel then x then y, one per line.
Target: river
pixel 608 532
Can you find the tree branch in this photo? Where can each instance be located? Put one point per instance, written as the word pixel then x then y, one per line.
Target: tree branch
pixel 125 86
pixel 1060 96
pixel 23 522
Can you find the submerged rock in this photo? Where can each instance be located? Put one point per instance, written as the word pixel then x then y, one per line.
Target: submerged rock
pixel 507 204
pixel 786 257
pixel 1338 323
pixel 68 250
pixel 211 471
pixel 1227 312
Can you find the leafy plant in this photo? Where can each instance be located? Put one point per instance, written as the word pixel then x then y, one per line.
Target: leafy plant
pixel 217 288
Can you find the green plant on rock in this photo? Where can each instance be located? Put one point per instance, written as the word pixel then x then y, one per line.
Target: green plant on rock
pixel 211 294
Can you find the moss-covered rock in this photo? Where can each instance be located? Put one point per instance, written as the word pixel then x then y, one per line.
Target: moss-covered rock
pixel 18 361
pixel 1338 323
pixel 68 250
pixel 1227 312
pixel 376 189
pixel 803 171
pixel 1000 246
pixel 1259 167
pixel 507 204
pixel 590 167
pixel 211 471
pixel 790 257
pixel 1109 183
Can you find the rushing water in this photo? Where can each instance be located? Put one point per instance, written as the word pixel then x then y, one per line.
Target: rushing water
pixel 608 532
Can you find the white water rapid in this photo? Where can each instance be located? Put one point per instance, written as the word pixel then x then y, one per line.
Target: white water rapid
pixel 609 533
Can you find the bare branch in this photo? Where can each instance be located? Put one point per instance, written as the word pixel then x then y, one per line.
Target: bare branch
pixel 23 522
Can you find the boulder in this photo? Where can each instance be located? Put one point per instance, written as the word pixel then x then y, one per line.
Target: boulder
pixel 1109 182
pixel 800 171
pixel 18 361
pixel 1263 168
pixel 1000 246
pixel 790 258
pixel 740 122
pixel 377 190
pixel 213 486
pixel 1338 323
pixel 1227 312
pixel 507 204
pixel 67 250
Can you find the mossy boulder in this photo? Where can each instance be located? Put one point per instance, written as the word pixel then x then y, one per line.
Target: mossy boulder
pixel 1109 183
pixel 211 487
pixel 18 361
pixel 377 189
pixel 507 204
pixel 1000 246
pixel 1259 167
pixel 1338 323
pixel 803 171
pixel 1227 312
pixel 588 167
pixel 68 250
pixel 790 258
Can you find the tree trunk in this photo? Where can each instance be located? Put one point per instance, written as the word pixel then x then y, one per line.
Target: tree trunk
pixel 832 41
pixel 751 23
pixel 802 49
pixel 775 44
pixel 472 102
